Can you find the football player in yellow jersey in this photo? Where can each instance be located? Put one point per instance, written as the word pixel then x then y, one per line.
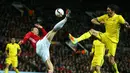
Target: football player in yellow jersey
pixel 12 55
pixel 110 38
pixel 98 51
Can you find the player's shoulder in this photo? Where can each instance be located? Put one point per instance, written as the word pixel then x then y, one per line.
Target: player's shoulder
pixel 118 16
pixel 17 44
pixel 29 32
pixel 104 15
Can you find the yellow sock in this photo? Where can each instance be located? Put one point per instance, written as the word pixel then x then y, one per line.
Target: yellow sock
pixel 84 36
pixel 6 70
pixel 94 72
pixel 17 71
pixel 115 68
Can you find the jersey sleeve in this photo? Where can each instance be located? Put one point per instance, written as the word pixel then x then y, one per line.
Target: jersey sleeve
pixel 43 32
pixel 18 47
pixel 101 18
pixel 121 19
pixel 26 37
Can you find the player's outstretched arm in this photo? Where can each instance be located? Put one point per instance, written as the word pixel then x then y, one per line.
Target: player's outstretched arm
pixel 44 32
pixel 127 25
pixel 19 52
pixel 95 21
pixel 38 26
pixel 24 40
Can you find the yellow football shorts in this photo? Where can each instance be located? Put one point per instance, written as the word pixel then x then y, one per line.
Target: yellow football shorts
pixel 111 46
pixel 98 58
pixel 12 60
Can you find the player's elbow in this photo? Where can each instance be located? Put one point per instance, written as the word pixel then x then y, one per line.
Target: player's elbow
pixel 93 20
pixel 20 51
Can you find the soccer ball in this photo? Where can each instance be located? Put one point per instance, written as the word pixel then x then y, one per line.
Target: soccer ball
pixel 59 12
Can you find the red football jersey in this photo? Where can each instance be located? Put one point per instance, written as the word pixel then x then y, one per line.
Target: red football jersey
pixel 30 36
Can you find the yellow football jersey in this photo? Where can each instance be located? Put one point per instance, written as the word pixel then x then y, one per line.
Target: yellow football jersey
pixel 98 48
pixel 13 48
pixel 112 26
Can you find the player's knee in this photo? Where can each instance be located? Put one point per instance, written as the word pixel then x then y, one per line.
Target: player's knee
pixel 7 65
pixel 51 68
pixel 14 68
pixel 97 68
pixel 112 60
pixel 93 32
pixel 92 69
pixel 50 35
pixel 53 31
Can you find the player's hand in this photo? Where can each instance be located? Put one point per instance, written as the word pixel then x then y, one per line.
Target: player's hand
pixel 91 54
pixel 38 26
pixel 18 54
pixel 127 26
pixel 20 42
pixel 7 55
pixel 102 22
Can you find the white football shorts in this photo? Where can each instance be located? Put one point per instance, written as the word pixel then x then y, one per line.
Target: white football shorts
pixel 42 48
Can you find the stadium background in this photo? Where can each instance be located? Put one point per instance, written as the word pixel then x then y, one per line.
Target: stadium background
pixel 16 20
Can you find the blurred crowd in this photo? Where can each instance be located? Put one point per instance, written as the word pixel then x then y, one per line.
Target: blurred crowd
pixel 12 24
pixel 66 61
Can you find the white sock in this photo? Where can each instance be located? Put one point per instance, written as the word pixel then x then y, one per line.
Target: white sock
pixel 60 24
pixel 50 72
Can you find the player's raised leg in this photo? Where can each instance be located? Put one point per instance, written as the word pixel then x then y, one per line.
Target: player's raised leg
pixel 82 37
pixel 58 26
pixel 50 36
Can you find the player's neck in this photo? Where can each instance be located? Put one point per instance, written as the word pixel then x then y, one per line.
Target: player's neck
pixel 12 43
pixel 112 15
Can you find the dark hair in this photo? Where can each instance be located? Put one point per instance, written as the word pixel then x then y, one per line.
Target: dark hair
pixel 114 7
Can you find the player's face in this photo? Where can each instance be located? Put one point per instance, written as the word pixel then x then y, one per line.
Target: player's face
pixel 109 11
pixel 36 31
pixel 13 40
